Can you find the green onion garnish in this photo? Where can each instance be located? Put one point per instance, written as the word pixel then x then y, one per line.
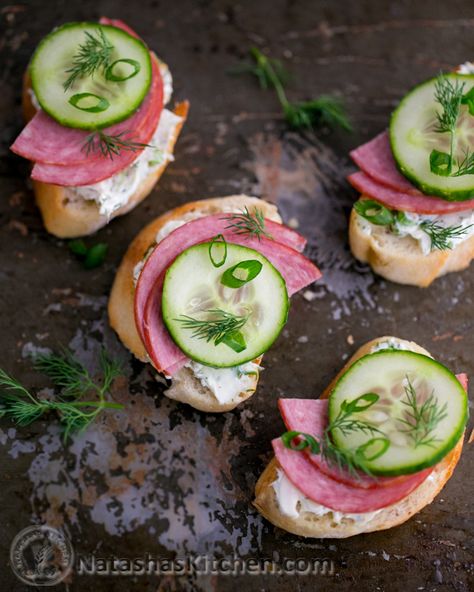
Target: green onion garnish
pixel 374 212
pixel 109 73
pixel 241 273
pixel 218 250
pixel 100 105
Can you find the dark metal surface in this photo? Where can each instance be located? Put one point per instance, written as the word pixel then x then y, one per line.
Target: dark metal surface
pixel 160 478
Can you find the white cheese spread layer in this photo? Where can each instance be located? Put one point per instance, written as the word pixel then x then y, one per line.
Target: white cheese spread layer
pixel 412 225
pixel 292 502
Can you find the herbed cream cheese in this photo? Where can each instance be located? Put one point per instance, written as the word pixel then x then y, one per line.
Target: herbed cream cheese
pixel 292 502
pixel 466 68
pixel 226 384
pixel 391 343
pixel 412 225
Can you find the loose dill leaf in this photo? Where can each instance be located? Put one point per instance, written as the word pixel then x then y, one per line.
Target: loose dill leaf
pixel 111 145
pixel 91 257
pixel 74 382
pixel 421 419
pixel 252 224
pixel 220 326
pixel 92 55
pixel 324 110
pixel 441 236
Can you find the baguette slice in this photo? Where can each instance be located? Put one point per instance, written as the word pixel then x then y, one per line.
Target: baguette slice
pixel 308 524
pixel 399 258
pixel 66 218
pixel 185 386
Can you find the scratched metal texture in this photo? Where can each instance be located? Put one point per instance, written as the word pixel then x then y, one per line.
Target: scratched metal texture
pixel 159 477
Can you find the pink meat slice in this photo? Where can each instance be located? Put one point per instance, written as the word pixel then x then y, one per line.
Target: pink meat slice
pixel 44 140
pixel 297 270
pixel 310 416
pixel 342 497
pixel 90 172
pixel 375 158
pixel 420 204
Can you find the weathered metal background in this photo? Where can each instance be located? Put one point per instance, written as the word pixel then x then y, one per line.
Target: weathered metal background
pixel 163 479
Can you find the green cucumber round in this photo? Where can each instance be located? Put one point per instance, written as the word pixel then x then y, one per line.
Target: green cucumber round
pixel 193 289
pixel 413 138
pixel 101 96
pixel 398 377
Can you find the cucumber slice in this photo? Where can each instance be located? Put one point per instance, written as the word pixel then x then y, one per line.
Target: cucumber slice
pixel 109 95
pixel 192 289
pixel 413 137
pixel 389 374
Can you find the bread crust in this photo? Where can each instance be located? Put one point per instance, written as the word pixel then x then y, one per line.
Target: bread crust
pixel 308 524
pixel 185 387
pixel 400 260
pixel 70 219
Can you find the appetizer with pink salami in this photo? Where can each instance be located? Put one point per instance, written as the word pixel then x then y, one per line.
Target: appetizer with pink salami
pixel 98 132
pixel 375 452
pixel 203 292
pixel 414 220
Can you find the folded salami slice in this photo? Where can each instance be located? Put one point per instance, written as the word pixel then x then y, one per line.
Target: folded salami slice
pixel 405 202
pixel 310 416
pixel 297 270
pixel 375 158
pixel 322 489
pixel 140 128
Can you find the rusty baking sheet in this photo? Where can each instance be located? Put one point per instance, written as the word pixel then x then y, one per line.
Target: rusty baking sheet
pixel 160 478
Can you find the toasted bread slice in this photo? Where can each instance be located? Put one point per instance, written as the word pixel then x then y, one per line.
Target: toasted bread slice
pixel 71 218
pixel 399 258
pixel 308 524
pixel 185 386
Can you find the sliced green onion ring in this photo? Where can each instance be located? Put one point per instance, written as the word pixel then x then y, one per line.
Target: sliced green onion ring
pixel 101 105
pixel 306 440
pixel 217 244
pixel 109 73
pixel 356 406
pixel 235 341
pixel 240 274
pixel 382 443
pixel 374 212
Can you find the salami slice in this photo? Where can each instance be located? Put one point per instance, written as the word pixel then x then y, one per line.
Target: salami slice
pixel 420 204
pixel 322 489
pixel 310 416
pixel 375 158
pixel 297 270
pixel 96 170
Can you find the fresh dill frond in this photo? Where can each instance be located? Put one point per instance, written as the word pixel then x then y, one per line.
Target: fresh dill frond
pixel 74 382
pixel 421 419
pixel 324 110
pixel 442 236
pixel 92 55
pixel 448 95
pixel 111 145
pixel 466 165
pixel 252 224
pixel 220 325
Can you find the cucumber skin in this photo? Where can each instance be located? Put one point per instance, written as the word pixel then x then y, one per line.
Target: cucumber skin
pixel 64 121
pixel 169 325
pixel 451 443
pixel 426 188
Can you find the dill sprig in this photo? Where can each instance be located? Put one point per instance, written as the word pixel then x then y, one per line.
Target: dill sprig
pixel 324 110
pixel 111 145
pixel 74 382
pixel 344 459
pixel 220 326
pixel 94 54
pixel 421 420
pixel 252 224
pixel 466 165
pixel 442 236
